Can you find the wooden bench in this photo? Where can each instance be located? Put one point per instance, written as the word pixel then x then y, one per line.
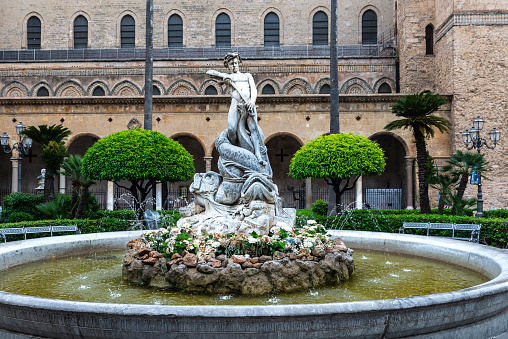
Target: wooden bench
pixel 37 229
pixel 473 228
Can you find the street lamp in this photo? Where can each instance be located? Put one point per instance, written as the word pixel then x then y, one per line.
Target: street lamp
pixel 24 144
pixel 473 137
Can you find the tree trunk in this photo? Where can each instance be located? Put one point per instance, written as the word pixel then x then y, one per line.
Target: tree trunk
pixel 440 206
pixel 49 187
pixel 462 185
pixel 421 158
pixel 82 202
pixel 74 198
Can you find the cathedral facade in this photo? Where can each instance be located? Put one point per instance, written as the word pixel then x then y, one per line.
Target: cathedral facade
pixel 82 65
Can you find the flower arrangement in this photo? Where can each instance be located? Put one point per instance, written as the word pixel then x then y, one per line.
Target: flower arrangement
pixel 281 238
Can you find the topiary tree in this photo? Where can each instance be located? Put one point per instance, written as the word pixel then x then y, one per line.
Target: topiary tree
pixel 338 158
pixel 141 157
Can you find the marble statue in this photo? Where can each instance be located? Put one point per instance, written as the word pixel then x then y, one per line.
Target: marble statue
pixel 40 180
pixel 242 197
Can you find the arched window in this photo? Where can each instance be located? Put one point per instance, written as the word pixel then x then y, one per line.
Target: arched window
pixel 429 40
pixel 223 31
pixel 272 30
pixel 43 92
pixel 320 29
pixel 210 90
pixel 369 27
pixel 33 33
pixel 384 88
pixel 175 31
pixel 98 92
pixel 325 89
pixel 156 90
pixel 80 32
pixel 268 89
pixel 128 32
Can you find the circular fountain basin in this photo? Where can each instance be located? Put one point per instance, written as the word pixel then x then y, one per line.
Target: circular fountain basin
pixel 477 312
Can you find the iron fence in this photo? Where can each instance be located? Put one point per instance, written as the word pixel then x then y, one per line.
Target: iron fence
pixel 190 53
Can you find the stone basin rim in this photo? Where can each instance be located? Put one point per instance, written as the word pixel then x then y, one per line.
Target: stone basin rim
pixel 356 239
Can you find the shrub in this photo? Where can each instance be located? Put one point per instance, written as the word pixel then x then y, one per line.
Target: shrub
pixel 21 202
pixel 57 208
pixel 320 207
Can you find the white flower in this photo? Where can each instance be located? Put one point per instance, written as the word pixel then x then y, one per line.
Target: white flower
pixel 311 222
pixel 196 243
pixel 275 229
pixel 307 244
pixel 284 226
pixel 252 240
pixel 215 244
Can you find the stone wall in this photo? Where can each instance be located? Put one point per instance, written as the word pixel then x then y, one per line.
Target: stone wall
pixel 198 20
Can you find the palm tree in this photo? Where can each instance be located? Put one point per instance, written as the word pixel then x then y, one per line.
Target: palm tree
pixel 53 153
pixel 71 168
pixel 461 164
pixel 85 184
pixel 416 110
pixel 444 182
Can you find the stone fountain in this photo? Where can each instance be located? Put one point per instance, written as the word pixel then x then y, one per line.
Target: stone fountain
pixel 241 201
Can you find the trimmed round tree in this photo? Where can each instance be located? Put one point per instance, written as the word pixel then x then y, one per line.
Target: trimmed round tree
pixel 340 159
pixel 141 157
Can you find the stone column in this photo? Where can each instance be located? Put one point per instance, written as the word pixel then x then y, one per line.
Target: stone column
pixel 208 163
pixel 15 164
pixel 409 182
pixel 359 193
pixel 62 184
pixel 158 196
pixel 308 193
pixel 110 195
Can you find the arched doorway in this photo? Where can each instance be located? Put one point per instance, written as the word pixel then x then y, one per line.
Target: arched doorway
pixel 79 145
pixel 281 149
pixel 388 190
pixel 175 195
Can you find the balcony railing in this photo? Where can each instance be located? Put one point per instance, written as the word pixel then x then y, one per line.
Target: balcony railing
pixel 282 52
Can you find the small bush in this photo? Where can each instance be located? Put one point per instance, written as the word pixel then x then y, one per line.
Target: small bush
pixel 320 207
pixel 21 202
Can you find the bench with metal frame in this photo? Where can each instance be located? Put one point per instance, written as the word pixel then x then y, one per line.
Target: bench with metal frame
pixel 37 229
pixel 474 228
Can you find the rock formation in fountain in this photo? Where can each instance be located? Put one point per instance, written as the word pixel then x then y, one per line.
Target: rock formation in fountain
pixel 243 197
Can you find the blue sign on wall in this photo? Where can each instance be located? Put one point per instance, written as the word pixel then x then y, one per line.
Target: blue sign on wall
pixel 475 178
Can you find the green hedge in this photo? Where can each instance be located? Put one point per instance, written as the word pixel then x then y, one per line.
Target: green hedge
pixel 21 206
pixel 494 231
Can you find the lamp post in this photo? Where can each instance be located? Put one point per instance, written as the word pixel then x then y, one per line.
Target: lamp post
pixel 24 144
pixel 473 137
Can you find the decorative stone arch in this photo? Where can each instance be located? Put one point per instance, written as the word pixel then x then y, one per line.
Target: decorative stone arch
pixel 157 84
pixel 195 146
pixel 321 83
pixel 182 87
pixel 211 82
pixel 71 27
pixel 165 27
pixel 126 88
pixel 75 137
pixel 310 21
pixel 360 15
pixel 355 86
pixel 233 26
pixel 95 84
pixel 14 89
pixel 70 88
pixel 134 123
pixel 24 43
pixel 286 134
pixel 119 27
pixel 396 136
pixel 384 80
pixel 297 86
pixel 271 82
pixel 281 23
pixel 33 91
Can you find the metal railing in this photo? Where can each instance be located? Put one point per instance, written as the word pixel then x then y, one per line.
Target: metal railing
pixel 189 53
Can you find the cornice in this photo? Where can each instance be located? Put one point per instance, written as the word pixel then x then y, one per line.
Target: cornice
pixel 201 99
